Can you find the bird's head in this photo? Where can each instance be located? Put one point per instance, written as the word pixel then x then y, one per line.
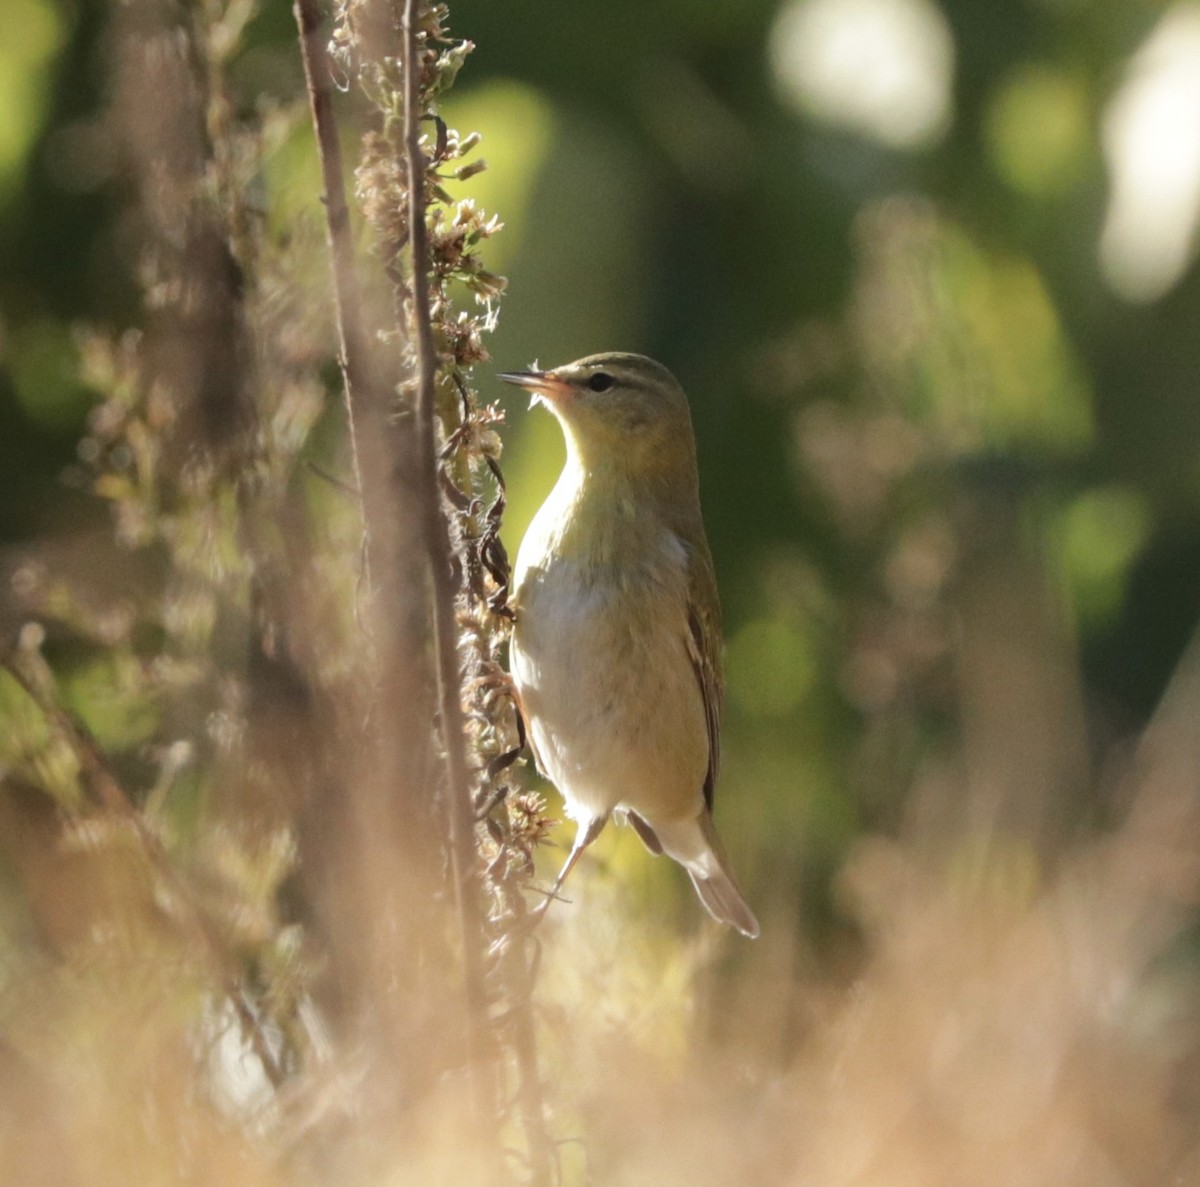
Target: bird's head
pixel 617 410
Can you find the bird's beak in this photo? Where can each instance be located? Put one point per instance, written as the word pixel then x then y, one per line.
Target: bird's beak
pixel 540 383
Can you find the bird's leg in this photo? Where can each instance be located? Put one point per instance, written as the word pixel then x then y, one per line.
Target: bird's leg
pixel 585 834
pixel 493 683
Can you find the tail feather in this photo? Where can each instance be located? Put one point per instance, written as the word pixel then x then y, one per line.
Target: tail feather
pixel 724 902
pixel 696 846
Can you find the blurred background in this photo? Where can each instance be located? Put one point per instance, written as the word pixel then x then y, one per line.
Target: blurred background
pixel 926 271
pixel 928 274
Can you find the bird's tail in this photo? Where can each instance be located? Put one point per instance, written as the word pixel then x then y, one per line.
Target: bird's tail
pixel 696 846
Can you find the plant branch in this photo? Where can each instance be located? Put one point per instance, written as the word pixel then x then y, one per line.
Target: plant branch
pixel 105 788
pixel 352 342
pixel 461 817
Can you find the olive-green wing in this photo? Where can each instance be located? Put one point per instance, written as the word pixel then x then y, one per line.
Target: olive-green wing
pixel 704 649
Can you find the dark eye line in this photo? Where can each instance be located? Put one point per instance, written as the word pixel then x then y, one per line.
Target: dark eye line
pixel 601 381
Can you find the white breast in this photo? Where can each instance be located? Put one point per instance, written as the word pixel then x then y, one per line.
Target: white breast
pixel 599 656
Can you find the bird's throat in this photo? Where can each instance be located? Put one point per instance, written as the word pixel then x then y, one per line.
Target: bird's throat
pixel 596 513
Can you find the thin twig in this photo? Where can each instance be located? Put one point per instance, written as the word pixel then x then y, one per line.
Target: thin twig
pixel 334 481
pixel 520 977
pixel 346 300
pixel 461 817
pixel 107 790
pixel 112 797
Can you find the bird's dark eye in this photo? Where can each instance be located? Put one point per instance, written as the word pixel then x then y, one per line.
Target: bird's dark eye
pixel 601 381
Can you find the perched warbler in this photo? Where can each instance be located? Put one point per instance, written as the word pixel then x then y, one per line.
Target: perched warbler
pixel 616 648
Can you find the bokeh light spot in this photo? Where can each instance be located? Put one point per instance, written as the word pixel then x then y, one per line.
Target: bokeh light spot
pixel 1152 144
pixel 881 68
pixel 33 31
pixel 770 668
pixel 1037 130
pixel 1101 534
pixel 43 363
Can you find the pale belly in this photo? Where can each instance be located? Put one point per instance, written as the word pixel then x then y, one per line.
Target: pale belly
pixel 612 700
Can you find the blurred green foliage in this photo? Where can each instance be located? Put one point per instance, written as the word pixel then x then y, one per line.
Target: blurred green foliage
pixel 885 347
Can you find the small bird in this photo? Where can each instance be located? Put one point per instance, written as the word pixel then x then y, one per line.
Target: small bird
pixel 616 648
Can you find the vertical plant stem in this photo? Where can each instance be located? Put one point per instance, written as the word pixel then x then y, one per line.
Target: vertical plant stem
pixel 347 303
pixel 520 978
pixel 376 841
pixel 461 817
